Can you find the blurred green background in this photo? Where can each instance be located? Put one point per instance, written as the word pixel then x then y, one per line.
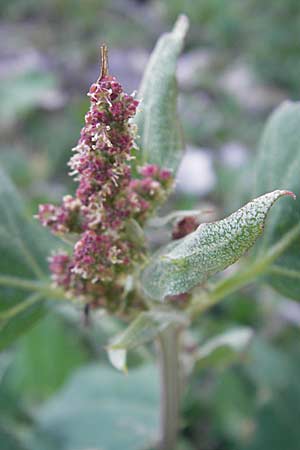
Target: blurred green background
pixel 242 58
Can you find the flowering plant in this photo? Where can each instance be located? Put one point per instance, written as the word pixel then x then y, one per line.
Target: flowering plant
pixel 125 165
pixel 110 205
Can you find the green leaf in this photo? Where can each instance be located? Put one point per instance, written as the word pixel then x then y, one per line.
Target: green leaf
pixel 22 93
pixel 276 373
pixel 224 349
pixel 136 233
pixel 142 330
pixel 278 165
pixel 24 246
pixel 183 264
pixel 20 319
pixel 101 408
pixel 159 129
pixel 17 165
pixel 64 353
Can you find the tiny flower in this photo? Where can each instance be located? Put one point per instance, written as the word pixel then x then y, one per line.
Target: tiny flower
pixel 61 219
pixel 149 170
pixel 96 254
pixel 165 175
pixel 60 266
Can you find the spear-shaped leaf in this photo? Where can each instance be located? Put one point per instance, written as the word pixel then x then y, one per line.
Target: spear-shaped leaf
pixel 160 134
pixel 278 166
pixel 183 264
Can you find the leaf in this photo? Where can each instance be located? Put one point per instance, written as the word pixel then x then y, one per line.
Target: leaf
pixel 278 165
pixel 183 264
pixel 224 349
pixel 118 358
pixel 276 373
pixel 21 320
pixel 159 129
pixel 64 354
pixel 24 246
pixel 22 93
pixel 100 408
pixel 17 165
pixel 136 233
pixel 142 330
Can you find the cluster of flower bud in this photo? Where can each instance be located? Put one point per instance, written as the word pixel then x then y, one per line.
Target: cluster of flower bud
pixel 106 199
pixel 184 226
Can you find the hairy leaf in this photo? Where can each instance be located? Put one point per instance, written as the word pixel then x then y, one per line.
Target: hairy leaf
pixel 142 330
pixel 278 166
pixel 100 408
pixel 160 133
pixel 211 248
pixel 30 357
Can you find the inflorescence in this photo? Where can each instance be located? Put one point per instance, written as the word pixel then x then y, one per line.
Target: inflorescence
pixel 108 199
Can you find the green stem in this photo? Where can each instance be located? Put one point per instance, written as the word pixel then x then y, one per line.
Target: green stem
pixel 20 307
pixel 245 276
pixel 282 271
pixel 31 285
pixel 7 280
pixel 170 386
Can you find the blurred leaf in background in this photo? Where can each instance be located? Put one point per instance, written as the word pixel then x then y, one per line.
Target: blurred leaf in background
pixel 99 405
pixel 24 245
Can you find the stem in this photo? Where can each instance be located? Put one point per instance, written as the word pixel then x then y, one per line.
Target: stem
pixel 170 386
pixel 7 280
pixel 282 271
pixel 31 285
pixel 20 307
pixel 245 276
pixel 104 61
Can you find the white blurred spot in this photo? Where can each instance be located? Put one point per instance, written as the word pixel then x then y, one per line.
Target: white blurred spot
pixel 196 173
pixel 234 155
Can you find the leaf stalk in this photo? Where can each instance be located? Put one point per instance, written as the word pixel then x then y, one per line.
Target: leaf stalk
pixel 170 386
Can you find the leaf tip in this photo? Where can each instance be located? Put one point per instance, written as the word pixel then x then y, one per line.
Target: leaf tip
pixel 290 194
pixel 281 193
pixel 181 25
pixel 118 358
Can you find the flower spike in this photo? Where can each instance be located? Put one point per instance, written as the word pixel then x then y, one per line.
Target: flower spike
pixel 107 199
